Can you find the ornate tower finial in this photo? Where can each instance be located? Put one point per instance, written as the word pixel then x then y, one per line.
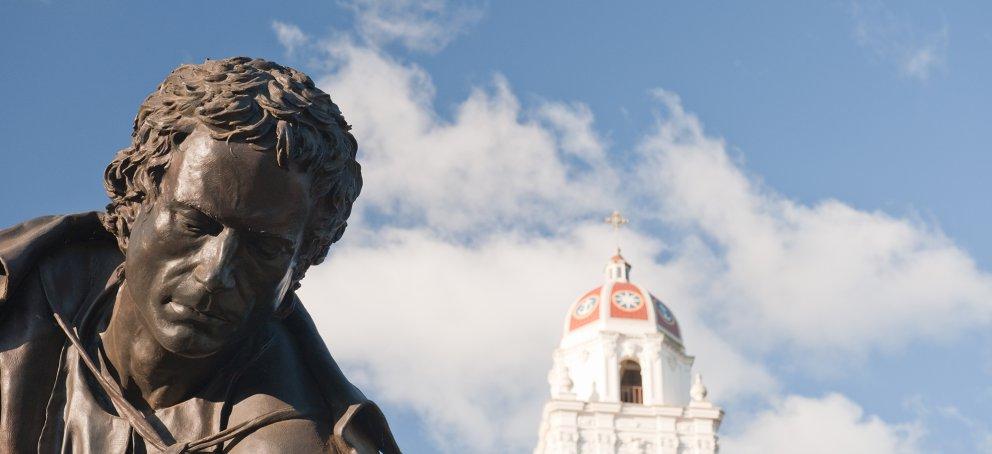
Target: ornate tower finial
pixel 698 390
pixel 561 382
pixel 617 221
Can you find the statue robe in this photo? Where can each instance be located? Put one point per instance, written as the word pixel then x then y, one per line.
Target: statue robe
pixel 61 269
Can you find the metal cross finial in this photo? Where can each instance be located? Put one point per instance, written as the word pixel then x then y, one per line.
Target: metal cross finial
pixel 617 221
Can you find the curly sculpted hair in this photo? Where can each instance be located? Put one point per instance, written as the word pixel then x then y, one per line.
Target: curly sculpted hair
pixel 255 101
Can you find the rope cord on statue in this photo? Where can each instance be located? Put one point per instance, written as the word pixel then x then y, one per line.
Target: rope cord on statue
pixel 137 419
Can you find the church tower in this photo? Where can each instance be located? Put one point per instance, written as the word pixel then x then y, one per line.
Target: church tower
pixel 620 379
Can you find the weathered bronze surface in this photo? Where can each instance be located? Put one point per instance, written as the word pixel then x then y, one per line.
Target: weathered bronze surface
pixel 169 323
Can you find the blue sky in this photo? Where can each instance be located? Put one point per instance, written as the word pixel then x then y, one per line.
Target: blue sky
pixel 856 126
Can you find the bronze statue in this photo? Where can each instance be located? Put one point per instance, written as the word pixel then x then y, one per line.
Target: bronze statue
pixel 169 323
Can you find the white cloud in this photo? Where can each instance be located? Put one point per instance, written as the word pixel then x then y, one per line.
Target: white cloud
pixel 423 25
pixel 824 277
pixel 574 124
pixel 474 233
pixel 467 331
pixel 828 425
pixel 916 52
pixel 487 169
pixel 963 433
pixel 290 36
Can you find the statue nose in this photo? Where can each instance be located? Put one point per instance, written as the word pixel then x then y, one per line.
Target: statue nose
pixel 215 270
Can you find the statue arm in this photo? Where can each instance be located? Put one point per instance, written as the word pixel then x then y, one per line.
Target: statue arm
pixel 292 435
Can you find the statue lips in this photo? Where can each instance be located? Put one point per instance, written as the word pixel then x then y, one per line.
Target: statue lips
pixel 192 313
pixel 191 303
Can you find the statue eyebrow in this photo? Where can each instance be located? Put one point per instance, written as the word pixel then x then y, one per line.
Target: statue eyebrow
pixel 195 206
pixel 248 228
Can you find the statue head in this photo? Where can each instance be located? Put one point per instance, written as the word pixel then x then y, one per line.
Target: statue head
pixel 240 175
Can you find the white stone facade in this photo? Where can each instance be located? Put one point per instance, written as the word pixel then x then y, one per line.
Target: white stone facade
pixel 600 403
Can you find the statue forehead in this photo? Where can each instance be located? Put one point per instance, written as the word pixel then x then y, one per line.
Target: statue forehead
pixel 238 183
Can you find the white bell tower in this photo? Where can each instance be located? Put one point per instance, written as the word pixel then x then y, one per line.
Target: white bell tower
pixel 620 379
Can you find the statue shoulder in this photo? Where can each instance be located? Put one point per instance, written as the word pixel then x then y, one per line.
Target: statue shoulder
pixel 66 249
pixel 275 379
pixel 286 376
pixel 345 436
pixel 292 435
pixel 46 264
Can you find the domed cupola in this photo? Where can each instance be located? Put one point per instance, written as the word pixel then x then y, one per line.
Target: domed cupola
pixel 620 305
pixel 620 379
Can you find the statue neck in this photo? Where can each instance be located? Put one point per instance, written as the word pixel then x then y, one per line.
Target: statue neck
pixel 146 371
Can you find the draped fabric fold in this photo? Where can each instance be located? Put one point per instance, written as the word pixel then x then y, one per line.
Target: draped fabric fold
pixel 53 270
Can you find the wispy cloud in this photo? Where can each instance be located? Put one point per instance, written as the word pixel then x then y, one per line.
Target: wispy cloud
pixel 421 25
pixel 972 434
pixel 916 51
pixel 290 36
pixel 786 270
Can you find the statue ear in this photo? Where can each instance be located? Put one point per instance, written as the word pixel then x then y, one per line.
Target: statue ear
pixel 288 303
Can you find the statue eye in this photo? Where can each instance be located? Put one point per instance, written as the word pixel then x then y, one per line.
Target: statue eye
pixel 196 222
pixel 267 248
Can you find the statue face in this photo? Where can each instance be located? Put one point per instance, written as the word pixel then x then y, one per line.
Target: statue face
pixel 210 258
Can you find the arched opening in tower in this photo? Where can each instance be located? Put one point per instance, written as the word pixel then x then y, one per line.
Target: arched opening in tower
pixel 630 382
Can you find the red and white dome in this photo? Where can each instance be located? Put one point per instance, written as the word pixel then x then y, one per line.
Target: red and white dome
pixel 621 306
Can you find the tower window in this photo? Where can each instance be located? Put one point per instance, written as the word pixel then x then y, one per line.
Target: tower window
pixel 630 382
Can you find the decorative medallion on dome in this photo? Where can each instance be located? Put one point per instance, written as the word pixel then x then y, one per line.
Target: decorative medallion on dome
pixel 666 319
pixel 586 309
pixel 627 302
pixel 586 306
pixel 666 314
